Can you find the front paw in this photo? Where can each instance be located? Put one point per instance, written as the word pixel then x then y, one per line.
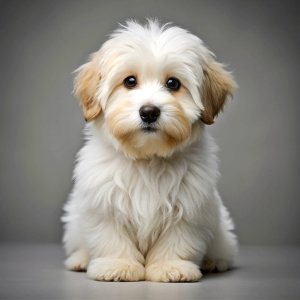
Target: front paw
pixel 173 271
pixel 115 269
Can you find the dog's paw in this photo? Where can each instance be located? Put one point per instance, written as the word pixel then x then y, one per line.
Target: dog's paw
pixel 217 265
pixel 173 271
pixel 118 269
pixel 77 261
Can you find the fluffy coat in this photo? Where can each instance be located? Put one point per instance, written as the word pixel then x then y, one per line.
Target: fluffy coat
pixel 144 203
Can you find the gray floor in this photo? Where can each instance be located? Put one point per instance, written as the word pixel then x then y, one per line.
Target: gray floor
pixel 35 271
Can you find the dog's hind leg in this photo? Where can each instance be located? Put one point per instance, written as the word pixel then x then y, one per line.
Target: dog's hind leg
pixel 78 257
pixel 74 244
pixel 78 260
pixel 223 247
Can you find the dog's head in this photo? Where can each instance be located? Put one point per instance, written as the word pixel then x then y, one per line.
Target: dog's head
pixel 150 89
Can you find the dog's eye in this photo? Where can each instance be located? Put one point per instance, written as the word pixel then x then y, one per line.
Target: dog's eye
pixel 173 84
pixel 130 82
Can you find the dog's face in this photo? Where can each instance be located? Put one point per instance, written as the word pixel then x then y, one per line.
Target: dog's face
pixel 150 89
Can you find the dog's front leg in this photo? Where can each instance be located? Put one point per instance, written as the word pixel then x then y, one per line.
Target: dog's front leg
pixel 115 256
pixel 176 254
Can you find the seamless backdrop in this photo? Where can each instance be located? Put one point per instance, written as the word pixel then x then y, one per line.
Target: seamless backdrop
pixel 43 42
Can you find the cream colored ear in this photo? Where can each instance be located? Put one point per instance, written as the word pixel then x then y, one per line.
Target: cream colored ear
pixel 217 85
pixel 85 87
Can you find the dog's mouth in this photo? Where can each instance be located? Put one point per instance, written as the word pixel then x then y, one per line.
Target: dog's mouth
pixel 149 129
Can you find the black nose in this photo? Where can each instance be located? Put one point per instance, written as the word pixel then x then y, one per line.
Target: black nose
pixel 149 113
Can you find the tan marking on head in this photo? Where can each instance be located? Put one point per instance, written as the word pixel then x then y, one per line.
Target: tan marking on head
pixel 85 87
pixel 118 124
pixel 179 130
pixel 216 87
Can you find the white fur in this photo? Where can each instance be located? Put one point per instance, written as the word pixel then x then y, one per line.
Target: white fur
pixel 157 217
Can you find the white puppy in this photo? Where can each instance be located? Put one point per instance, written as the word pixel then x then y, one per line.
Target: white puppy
pixel 145 204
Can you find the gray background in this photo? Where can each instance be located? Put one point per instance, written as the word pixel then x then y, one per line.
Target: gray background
pixel 42 42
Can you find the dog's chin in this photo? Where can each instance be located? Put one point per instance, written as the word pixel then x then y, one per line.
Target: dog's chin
pixel 149 142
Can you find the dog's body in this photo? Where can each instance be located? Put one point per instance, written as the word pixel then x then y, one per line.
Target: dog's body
pixel 144 203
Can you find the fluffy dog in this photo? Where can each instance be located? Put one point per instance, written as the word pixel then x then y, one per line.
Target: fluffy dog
pixel 145 204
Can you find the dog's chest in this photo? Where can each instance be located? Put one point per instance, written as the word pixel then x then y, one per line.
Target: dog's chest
pixel 148 188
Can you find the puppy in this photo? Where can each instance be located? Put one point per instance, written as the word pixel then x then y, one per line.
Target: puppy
pixel 145 205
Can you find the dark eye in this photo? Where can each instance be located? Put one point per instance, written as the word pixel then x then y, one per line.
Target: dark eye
pixel 130 82
pixel 173 84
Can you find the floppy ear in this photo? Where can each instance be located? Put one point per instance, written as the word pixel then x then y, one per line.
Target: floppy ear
pixel 216 87
pixel 85 87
